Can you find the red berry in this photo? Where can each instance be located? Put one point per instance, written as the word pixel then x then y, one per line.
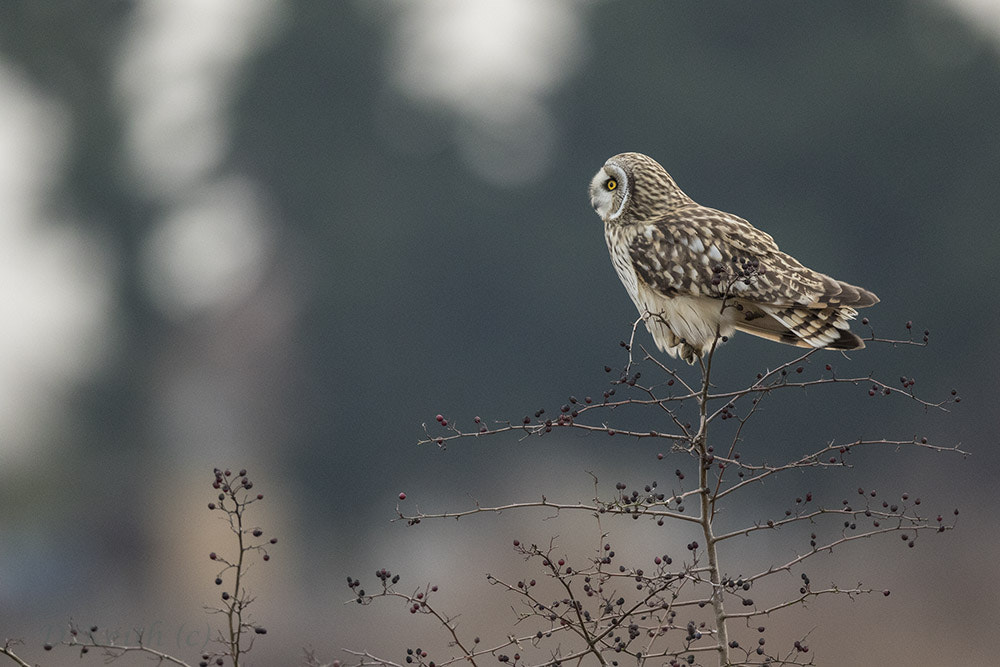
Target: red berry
pixel 402 496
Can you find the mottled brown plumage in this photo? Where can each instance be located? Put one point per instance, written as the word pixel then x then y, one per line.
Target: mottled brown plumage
pixel 696 273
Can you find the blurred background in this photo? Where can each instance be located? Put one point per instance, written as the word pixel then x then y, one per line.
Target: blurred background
pixel 284 235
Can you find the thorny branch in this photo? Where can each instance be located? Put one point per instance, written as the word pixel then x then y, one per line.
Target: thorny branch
pixel 9 652
pixel 233 499
pixel 590 612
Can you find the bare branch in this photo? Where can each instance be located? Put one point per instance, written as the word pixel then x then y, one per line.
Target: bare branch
pixel 9 652
pixel 599 611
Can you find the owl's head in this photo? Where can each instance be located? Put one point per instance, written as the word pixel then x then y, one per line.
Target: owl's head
pixel 632 187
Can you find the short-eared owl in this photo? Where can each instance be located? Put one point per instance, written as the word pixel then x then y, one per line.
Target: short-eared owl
pixel 696 273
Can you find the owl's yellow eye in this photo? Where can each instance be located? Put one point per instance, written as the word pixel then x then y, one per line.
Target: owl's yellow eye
pixel 611 184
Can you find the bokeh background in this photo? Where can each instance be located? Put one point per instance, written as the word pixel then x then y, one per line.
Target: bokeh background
pixel 283 235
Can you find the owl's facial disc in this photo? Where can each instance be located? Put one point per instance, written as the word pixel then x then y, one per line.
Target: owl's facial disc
pixel 609 191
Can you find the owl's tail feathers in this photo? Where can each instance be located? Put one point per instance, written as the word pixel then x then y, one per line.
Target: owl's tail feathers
pixel 802 327
pixel 838 294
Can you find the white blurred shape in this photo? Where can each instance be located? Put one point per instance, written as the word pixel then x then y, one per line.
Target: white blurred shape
pixel 493 63
pixel 983 14
pixel 179 66
pixel 209 251
pixel 475 55
pixel 54 281
pixel 180 69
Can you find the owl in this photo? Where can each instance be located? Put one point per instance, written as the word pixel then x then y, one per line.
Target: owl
pixel 697 275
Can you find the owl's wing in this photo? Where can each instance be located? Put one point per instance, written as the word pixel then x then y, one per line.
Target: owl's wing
pixel 700 251
pixel 781 280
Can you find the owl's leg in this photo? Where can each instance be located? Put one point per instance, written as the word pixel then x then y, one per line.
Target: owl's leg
pixel 688 353
pixel 664 337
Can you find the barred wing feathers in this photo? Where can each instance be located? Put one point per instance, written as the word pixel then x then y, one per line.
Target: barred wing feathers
pixel 702 252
